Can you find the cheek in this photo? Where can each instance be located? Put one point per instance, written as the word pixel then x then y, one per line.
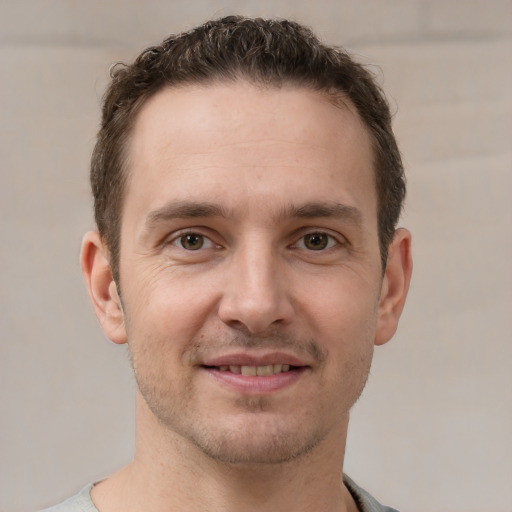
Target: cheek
pixel 166 306
pixel 343 319
pixel 342 309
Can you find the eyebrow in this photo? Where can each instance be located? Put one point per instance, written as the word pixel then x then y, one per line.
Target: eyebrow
pixel 185 210
pixel 200 209
pixel 314 210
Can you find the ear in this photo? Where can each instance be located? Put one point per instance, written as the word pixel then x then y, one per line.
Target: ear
pixel 94 259
pixel 394 286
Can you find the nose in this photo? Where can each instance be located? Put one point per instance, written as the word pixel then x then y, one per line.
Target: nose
pixel 256 295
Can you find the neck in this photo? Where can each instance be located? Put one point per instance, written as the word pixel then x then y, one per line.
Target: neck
pixel 169 473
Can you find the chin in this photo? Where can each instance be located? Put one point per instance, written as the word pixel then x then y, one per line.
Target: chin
pixel 257 440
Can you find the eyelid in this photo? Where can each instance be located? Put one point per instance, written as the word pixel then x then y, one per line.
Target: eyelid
pixel 174 238
pixel 338 238
pixel 207 243
pixel 297 237
pixel 331 242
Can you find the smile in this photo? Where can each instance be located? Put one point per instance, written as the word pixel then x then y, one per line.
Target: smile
pixel 256 379
pixel 269 369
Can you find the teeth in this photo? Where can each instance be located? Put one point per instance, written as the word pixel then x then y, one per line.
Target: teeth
pixel 265 370
pixel 270 369
pixel 249 370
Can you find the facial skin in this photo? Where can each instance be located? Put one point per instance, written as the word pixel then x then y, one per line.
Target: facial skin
pixel 249 238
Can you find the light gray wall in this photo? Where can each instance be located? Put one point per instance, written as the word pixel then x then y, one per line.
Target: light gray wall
pixel 433 431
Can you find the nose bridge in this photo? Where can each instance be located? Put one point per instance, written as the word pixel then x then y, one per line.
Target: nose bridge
pixel 254 293
pixel 257 272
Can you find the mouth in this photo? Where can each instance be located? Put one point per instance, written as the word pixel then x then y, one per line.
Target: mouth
pixel 254 375
pixel 254 371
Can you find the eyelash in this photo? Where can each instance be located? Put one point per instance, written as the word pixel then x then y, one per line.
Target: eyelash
pixel 331 241
pixel 182 236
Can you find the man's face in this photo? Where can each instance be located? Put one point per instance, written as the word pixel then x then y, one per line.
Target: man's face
pixel 249 246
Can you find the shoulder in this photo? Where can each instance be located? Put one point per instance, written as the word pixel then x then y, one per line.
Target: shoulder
pixel 81 502
pixel 365 501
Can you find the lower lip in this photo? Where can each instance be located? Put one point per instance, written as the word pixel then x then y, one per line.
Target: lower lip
pixel 253 385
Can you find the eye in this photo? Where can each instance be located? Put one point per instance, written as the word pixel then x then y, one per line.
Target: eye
pixel 316 241
pixel 193 242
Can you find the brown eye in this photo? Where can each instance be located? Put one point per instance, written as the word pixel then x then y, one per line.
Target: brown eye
pixel 191 241
pixel 316 241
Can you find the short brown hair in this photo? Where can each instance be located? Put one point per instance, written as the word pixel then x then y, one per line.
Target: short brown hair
pixel 266 52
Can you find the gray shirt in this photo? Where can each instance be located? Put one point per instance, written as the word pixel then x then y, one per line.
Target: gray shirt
pixel 82 502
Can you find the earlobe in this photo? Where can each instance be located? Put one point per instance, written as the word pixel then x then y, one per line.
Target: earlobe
pixel 395 286
pixel 94 260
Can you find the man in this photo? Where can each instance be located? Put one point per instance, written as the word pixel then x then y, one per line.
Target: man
pixel 247 186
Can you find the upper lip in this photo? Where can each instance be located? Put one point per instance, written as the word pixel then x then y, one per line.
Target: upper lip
pixel 251 359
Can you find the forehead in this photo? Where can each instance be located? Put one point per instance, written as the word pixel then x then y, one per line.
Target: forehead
pixel 249 141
